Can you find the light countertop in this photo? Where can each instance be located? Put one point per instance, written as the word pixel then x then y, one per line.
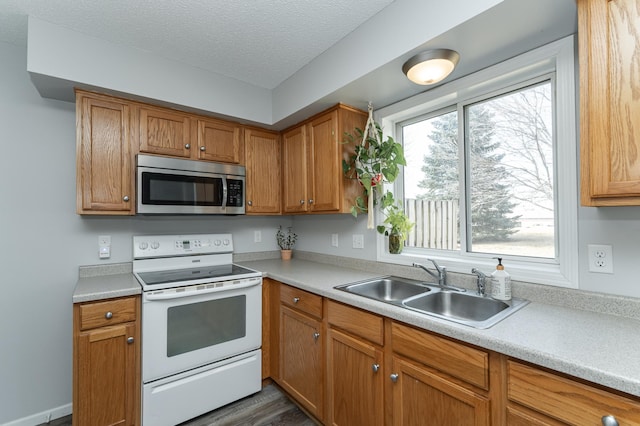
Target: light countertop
pixel 593 346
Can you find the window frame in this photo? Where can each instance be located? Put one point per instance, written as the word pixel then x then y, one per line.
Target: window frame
pixel 557 58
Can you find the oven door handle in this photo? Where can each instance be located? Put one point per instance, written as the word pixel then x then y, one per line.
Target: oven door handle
pixel 193 293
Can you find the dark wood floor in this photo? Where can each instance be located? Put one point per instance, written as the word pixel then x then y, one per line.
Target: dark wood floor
pixel 269 407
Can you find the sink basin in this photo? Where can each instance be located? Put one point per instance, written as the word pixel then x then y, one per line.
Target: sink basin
pixel 387 289
pixel 464 308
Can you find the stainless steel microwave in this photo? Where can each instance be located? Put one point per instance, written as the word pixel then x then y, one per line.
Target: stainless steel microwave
pixel 175 186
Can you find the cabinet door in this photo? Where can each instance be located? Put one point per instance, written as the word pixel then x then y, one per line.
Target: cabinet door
pixel 164 132
pixel 294 170
pixel 262 156
pixel 610 112
pixel 104 160
pixel 422 398
pixel 355 381
pixel 107 380
pixel 219 141
pixel 301 359
pixel 325 177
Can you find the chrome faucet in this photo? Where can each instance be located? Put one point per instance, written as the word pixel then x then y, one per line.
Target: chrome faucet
pixel 441 276
pixel 482 281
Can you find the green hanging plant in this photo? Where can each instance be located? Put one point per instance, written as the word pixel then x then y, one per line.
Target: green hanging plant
pixel 376 160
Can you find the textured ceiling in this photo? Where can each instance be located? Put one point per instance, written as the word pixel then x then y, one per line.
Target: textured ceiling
pixel 262 42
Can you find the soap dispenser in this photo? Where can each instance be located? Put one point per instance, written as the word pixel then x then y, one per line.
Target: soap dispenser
pixel 500 282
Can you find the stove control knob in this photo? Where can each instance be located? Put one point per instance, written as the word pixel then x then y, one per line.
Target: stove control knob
pixel 226 242
pixel 155 245
pixel 217 242
pixel 143 245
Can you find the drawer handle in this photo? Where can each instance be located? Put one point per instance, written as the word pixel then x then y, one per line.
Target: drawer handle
pixel 130 340
pixel 108 315
pixel 296 299
pixel 394 377
pixel 375 367
pixel 609 421
pixel 316 335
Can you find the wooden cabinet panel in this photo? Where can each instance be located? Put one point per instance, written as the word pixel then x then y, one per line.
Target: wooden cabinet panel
pixel 313 181
pixel 463 362
pixel 301 359
pixel 262 161
pixel 104 171
pixel 421 397
pixel 219 141
pixel 609 37
pixel 363 324
pixel 163 131
pixel 567 400
pixel 302 300
pixel 106 366
pixel 294 170
pixel 325 180
pixel 355 374
pixel 109 312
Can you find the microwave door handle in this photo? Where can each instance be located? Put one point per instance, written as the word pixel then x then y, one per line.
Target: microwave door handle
pixel 224 192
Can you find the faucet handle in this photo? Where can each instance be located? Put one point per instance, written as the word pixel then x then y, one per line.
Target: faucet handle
pixel 482 283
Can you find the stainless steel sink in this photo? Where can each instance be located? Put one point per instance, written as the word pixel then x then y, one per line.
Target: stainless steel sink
pixel 464 308
pixel 387 289
pixel 430 299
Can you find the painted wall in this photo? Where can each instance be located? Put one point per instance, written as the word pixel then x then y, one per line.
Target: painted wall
pixel 43 241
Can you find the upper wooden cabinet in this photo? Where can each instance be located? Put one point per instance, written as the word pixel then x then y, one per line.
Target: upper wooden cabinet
pixel 219 141
pixel 609 37
pixel 262 161
pixel 162 131
pixel 104 158
pixel 312 156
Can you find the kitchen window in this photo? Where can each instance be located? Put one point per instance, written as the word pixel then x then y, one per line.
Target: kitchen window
pixel 492 169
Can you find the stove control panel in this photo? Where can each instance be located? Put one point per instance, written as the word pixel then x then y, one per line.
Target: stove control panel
pixel 145 246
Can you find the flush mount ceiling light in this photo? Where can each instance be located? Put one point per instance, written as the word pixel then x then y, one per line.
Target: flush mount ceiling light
pixel 431 66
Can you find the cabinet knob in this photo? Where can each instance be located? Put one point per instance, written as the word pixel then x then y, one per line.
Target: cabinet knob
pixel 108 315
pixel 301 201
pixel 202 148
pixel 250 202
pixel 187 145
pixel 375 367
pixel 609 421
pixel 394 377
pixel 296 299
pixel 316 335
pixel 125 198
pixel 129 340
pixel 311 201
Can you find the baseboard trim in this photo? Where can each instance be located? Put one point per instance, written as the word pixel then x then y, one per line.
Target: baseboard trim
pixel 43 417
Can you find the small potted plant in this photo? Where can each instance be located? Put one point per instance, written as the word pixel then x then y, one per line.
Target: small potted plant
pixel 286 241
pixel 396 226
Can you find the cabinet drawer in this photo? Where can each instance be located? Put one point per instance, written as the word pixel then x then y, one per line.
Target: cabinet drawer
pixel 460 361
pixel 301 300
pixel 109 312
pixel 565 399
pixel 360 323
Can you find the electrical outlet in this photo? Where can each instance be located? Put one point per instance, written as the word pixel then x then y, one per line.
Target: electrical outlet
pixel 600 258
pixel 358 241
pixel 334 240
pixel 257 236
pixel 104 246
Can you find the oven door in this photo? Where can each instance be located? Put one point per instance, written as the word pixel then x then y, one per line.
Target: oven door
pixel 185 330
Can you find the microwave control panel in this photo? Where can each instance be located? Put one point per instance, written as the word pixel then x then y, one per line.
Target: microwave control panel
pixel 235 197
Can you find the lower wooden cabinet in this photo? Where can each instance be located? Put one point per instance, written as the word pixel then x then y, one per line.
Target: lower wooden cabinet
pixel 355 368
pixel 106 362
pixel 548 398
pixel 380 371
pixel 301 349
